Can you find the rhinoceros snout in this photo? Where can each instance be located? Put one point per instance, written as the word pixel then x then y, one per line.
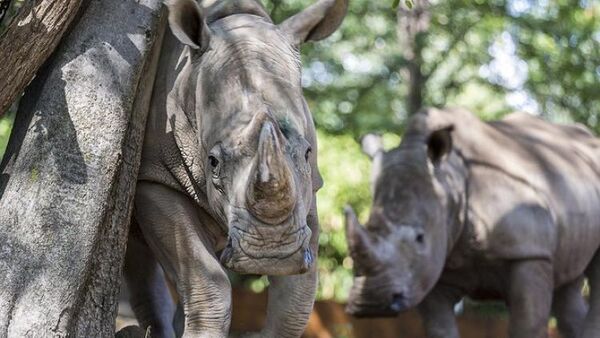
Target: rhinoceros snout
pixel 369 309
pixel 360 312
pixel 398 302
pixel 308 258
pixel 248 253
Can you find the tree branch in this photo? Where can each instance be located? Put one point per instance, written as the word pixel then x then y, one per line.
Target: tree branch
pixel 28 41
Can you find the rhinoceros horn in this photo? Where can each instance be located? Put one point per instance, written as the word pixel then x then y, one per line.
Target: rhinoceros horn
pixel 271 194
pixel 359 244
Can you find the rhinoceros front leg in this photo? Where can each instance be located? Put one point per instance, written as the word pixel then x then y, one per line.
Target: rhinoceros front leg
pixel 291 298
pixel 149 294
pixel 591 327
pixel 570 309
pixel 172 228
pixel 437 312
pixel 530 298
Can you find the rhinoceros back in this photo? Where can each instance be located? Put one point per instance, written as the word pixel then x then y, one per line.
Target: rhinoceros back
pixel 534 190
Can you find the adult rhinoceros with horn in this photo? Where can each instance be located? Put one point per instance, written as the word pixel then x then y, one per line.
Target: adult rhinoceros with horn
pixel 229 173
pixel 506 210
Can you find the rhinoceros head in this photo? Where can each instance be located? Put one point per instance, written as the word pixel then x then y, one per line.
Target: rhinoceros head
pixel 242 85
pixel 400 253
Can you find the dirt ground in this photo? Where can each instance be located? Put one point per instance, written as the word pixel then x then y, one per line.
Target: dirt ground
pixel 328 320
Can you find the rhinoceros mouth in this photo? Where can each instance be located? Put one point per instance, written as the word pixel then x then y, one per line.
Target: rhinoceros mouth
pixel 250 252
pixel 369 310
pixel 257 247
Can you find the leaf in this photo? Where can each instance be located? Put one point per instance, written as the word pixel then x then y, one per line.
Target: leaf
pixel 409 3
pixel 395 4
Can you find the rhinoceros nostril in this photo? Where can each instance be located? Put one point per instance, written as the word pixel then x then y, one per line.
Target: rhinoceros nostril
pixel 227 253
pixel 308 258
pixel 397 303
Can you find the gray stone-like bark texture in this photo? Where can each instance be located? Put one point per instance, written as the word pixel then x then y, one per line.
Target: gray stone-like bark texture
pixel 69 174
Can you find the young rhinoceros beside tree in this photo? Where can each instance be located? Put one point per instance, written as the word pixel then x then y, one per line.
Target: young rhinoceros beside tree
pixel 501 210
pixel 229 173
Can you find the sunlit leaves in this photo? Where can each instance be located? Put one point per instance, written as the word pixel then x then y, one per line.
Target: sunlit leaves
pixel 409 4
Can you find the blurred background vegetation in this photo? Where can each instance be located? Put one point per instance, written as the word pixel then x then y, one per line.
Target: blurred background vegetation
pixel 385 63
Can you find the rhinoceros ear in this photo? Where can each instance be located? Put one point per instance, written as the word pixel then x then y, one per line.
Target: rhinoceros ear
pixel 187 23
pixel 316 22
pixel 439 144
pixel 372 145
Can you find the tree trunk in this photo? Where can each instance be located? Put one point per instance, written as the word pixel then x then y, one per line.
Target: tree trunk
pixel 416 83
pixel 69 174
pixel 413 25
pixel 28 41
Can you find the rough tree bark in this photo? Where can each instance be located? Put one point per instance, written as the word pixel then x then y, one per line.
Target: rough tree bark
pixel 69 173
pixel 28 41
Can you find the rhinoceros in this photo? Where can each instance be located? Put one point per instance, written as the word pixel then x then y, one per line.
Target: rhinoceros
pixel 506 210
pixel 228 173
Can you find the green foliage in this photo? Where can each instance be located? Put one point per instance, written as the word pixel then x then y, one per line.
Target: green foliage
pixel 346 171
pixel 349 78
pixel 408 3
pixel 356 81
pixel 6 121
pixel 5 128
pixel 561 43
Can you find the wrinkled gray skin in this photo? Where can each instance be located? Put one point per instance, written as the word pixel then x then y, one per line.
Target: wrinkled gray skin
pixel 501 210
pixel 229 170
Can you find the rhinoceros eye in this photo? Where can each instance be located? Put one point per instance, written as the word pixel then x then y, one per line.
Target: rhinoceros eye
pixel 215 166
pixel 214 162
pixel 307 154
pixel 420 238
